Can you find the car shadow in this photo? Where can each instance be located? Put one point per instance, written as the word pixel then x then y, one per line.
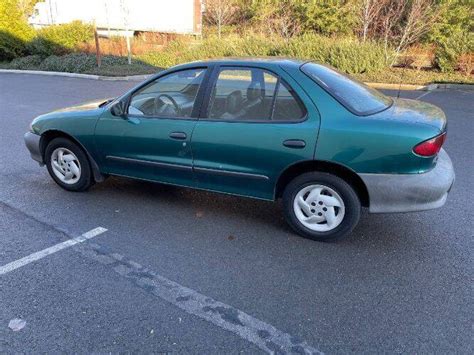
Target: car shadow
pixel 374 230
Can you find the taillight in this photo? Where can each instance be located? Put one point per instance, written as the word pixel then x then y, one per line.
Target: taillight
pixel 431 146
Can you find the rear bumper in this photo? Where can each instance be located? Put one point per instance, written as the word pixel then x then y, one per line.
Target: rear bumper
pixel 32 142
pixel 411 192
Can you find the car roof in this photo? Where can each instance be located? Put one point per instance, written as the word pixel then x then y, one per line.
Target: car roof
pixel 264 61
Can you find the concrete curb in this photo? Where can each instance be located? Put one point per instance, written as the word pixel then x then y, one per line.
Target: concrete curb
pixel 385 86
pixel 76 75
pixel 388 86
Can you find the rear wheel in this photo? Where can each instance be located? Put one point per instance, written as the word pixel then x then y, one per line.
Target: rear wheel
pixel 68 165
pixel 321 206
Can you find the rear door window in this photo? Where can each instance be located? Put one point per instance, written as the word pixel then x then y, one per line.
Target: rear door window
pixel 253 94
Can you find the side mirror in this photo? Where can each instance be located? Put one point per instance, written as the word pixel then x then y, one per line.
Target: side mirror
pixel 118 109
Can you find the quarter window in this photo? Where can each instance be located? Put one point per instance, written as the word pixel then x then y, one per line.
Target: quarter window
pixel 171 96
pixel 288 106
pixel 251 94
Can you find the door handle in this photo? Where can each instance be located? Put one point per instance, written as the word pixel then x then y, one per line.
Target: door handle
pixel 178 135
pixel 294 143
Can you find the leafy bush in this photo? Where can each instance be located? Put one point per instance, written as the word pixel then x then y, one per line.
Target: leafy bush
pixel 354 57
pixel 29 62
pixel 71 63
pixel 14 31
pixel 10 46
pixel 453 35
pixel 61 39
pixel 348 55
pixel 328 17
pixel 452 49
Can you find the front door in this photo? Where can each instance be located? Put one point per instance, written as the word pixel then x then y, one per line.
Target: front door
pixel 255 126
pixel 152 141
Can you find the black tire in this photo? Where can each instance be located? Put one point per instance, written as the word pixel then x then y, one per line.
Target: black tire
pixel 86 180
pixel 346 192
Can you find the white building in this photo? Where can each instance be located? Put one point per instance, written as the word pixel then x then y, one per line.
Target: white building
pixel 163 16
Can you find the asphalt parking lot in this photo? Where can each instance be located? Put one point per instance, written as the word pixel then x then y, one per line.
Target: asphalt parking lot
pixel 183 271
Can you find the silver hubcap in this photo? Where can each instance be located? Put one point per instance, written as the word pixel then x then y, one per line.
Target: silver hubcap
pixel 319 208
pixel 65 166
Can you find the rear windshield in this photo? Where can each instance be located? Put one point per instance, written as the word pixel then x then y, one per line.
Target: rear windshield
pixel 354 95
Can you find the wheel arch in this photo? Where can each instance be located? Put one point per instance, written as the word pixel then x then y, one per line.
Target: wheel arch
pixel 49 135
pixel 345 173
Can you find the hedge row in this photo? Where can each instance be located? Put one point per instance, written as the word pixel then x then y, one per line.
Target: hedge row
pixel 348 55
pixel 71 63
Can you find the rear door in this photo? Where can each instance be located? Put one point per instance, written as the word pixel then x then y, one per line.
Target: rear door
pixel 254 124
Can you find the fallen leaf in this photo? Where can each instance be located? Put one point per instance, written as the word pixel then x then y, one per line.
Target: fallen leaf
pixel 16 324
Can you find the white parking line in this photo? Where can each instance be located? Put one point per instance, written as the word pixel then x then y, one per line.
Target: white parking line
pixel 423 95
pixel 51 250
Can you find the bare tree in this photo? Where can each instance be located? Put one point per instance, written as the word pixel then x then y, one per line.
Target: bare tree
pixel 220 13
pixel 278 18
pixel 388 22
pixel 420 18
pixel 398 23
pixel 282 22
pixel 370 10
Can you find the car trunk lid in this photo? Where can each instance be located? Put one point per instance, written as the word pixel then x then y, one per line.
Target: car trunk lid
pixel 418 112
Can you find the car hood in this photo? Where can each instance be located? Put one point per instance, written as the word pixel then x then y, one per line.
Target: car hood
pixel 61 117
pixel 416 112
pixel 90 105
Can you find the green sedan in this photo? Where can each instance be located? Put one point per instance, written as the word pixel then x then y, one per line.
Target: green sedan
pixel 324 143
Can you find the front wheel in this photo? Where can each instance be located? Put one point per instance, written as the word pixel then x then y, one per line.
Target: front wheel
pixel 68 165
pixel 321 206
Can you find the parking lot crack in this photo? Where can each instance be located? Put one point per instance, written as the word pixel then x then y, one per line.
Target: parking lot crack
pixel 31 217
pixel 258 332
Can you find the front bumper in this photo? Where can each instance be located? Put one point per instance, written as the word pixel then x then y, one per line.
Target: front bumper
pixel 411 192
pixel 32 142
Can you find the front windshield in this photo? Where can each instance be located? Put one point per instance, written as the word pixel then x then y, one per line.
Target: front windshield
pixel 354 95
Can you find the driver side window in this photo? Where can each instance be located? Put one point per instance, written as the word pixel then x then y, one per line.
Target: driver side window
pixel 171 96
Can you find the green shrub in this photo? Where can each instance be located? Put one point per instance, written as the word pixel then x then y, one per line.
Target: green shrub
pixel 329 17
pixel 232 46
pixel 14 31
pixel 348 55
pixel 452 48
pixel 29 62
pixel 10 46
pixel 71 63
pixel 453 34
pixel 61 39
